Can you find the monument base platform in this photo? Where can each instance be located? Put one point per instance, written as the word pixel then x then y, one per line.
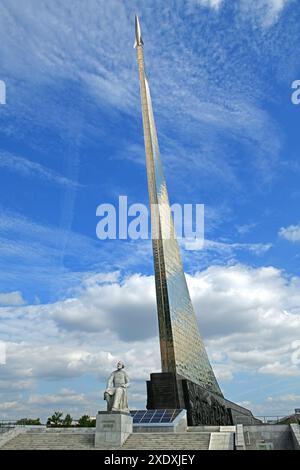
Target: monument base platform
pixel 112 428
pixel 167 390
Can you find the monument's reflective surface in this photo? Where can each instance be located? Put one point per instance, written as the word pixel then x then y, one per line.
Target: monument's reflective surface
pixel 182 349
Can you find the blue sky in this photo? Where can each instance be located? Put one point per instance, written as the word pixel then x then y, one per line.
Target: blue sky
pixel 71 138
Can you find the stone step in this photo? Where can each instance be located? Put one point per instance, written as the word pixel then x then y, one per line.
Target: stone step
pixel 136 441
pixel 167 441
pixel 50 440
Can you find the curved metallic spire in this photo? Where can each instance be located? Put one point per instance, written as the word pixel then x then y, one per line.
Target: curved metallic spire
pixel 182 349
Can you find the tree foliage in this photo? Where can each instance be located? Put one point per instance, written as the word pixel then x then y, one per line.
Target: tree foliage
pixel 67 421
pixel 55 420
pixel 86 422
pixel 29 422
pixel 58 420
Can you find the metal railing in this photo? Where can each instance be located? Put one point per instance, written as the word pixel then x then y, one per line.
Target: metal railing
pixel 273 419
pixel 7 425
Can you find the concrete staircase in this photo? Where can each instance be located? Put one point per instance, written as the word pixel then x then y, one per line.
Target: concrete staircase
pixel 51 440
pixel 278 437
pixel 167 441
pixel 85 441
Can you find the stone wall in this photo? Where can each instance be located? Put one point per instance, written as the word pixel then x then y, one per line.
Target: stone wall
pixel 268 437
pixel 295 430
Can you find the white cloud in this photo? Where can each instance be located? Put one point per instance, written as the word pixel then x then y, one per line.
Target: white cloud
pixel 277 368
pixel 249 318
pixel 69 355
pixel 12 298
pixel 271 9
pixel 221 247
pixel 16 386
pixel 275 406
pixel 208 3
pixel 98 308
pixel 28 168
pixel 12 405
pixel 29 246
pixel 64 397
pixel 224 372
pixel 274 9
pixel 2 353
pixel 245 228
pixel 290 397
pixel 291 233
pixel 237 299
pixel 266 11
pixel 216 98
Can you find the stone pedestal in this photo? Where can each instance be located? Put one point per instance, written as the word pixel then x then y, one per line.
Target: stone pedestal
pixel 168 390
pixel 112 429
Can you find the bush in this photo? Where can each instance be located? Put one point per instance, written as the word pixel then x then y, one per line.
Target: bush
pixel 86 422
pixel 29 422
pixel 57 420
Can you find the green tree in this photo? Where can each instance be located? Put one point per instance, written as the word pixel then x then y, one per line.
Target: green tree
pixel 86 422
pixel 55 420
pixel 67 421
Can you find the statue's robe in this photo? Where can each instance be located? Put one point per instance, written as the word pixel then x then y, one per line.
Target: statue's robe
pixel 116 391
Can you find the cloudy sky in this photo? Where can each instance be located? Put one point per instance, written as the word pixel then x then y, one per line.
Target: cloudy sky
pixel 71 138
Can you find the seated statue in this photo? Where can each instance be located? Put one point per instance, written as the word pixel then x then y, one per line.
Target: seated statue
pixel 116 390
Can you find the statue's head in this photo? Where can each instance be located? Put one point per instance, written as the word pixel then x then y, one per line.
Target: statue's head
pixel 120 365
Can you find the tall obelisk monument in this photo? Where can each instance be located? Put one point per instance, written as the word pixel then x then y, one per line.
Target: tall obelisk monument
pixel 182 349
